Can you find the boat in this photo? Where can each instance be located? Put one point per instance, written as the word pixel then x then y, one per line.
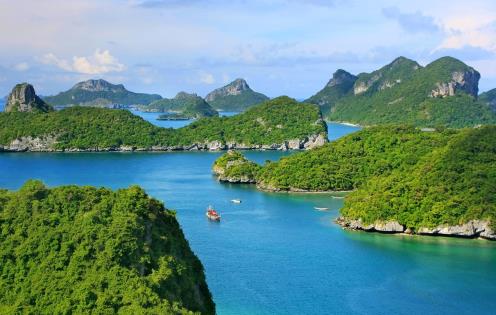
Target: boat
pixel 321 208
pixel 212 214
pixel 235 201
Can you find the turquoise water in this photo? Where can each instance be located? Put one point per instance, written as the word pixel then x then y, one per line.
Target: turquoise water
pixel 273 253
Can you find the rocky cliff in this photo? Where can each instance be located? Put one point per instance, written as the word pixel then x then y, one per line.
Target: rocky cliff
pixel 48 144
pixel 388 76
pixel 471 229
pixel 23 98
pixel 466 81
pixel 98 85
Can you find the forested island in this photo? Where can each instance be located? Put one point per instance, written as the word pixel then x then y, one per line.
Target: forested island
pixel 443 93
pixel 82 250
pixel 403 179
pixel 278 124
pixel 99 93
pixel 183 105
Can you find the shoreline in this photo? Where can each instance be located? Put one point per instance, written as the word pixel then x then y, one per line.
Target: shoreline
pixel 473 229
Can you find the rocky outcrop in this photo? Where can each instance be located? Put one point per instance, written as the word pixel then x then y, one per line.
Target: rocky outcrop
pixel 388 76
pixel 466 81
pixel 48 143
pixel 379 226
pixel 234 88
pixel 363 86
pixel 471 229
pixel 341 77
pixel 99 85
pixel 23 98
pixel 33 144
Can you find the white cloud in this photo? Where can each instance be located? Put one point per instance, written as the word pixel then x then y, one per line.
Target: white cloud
pixel 22 66
pixel 99 63
pixel 471 31
pixel 207 78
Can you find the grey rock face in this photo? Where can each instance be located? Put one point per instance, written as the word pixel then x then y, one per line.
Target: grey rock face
pixel 99 86
pixel 23 98
pixel 361 87
pixel 466 81
pixel 384 227
pixel 47 143
pixel 44 144
pixel 472 228
pixel 341 76
pixel 234 88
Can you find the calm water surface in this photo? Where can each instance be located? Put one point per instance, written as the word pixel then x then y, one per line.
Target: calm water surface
pixel 275 254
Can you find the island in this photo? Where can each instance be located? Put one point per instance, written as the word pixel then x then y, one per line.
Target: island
pixel 443 93
pixel 278 124
pixel 182 106
pixel 400 179
pixel 82 250
pixel 236 96
pixel 99 93
pixel 173 116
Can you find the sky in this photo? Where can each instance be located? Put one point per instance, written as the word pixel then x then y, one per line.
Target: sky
pixel 281 47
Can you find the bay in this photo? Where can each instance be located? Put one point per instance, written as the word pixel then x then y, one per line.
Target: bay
pixel 275 254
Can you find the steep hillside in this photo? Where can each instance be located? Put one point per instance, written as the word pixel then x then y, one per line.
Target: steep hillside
pixel 85 250
pixel 444 93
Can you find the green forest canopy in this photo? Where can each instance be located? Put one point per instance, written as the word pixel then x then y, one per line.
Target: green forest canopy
pixel 274 121
pixel 80 250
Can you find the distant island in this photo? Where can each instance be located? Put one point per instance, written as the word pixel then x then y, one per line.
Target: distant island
pixel 443 93
pixel 99 93
pixel 174 116
pixel 403 179
pixel 279 124
pixel 104 251
pixel 236 96
pixel 182 106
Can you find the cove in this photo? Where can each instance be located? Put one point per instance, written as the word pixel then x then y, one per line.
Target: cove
pixel 273 253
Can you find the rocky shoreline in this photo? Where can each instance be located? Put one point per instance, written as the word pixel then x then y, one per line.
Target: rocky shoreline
pixel 471 229
pixel 48 144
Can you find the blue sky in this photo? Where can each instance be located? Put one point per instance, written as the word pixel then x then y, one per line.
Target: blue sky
pixel 281 47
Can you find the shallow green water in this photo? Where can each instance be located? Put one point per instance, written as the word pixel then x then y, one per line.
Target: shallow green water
pixel 275 254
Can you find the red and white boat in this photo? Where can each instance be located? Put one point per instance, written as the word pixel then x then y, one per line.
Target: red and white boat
pixel 212 214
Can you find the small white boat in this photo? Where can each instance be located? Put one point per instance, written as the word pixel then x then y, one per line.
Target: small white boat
pixel 235 200
pixel 321 208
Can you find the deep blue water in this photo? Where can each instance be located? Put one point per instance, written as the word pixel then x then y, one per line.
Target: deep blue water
pixel 275 254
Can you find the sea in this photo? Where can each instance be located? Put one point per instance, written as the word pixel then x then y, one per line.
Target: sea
pixel 274 253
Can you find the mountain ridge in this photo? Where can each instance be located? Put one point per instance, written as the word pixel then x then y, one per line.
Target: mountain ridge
pixel 98 92
pixel 235 96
